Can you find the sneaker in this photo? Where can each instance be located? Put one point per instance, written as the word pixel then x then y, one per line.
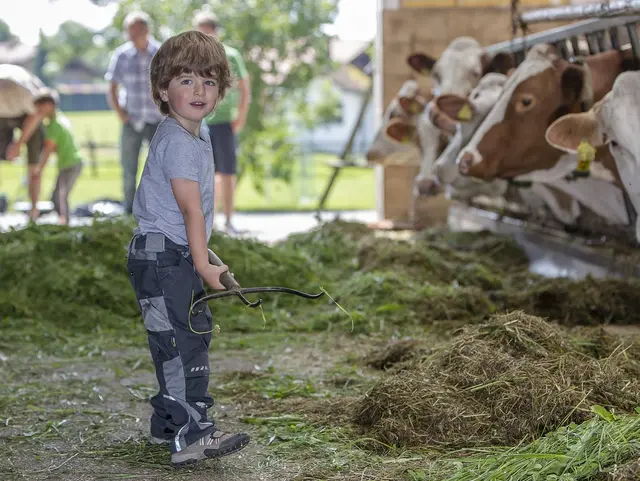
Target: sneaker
pixel 213 445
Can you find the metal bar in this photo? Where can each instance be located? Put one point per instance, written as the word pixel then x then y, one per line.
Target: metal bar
pixel 635 44
pixel 347 148
pixel 578 12
pixel 576 46
pixel 555 243
pixel 613 36
pixel 593 44
pixel 562 48
pixel 601 44
pixel 560 33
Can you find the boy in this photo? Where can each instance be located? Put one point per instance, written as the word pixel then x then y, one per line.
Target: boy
pixel 58 139
pixel 167 256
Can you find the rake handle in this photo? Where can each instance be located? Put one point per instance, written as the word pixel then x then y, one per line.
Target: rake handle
pixel 226 278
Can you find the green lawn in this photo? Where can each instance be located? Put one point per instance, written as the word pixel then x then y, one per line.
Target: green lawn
pixel 354 188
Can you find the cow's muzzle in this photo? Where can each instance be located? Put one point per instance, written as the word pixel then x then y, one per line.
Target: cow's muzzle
pixel 465 163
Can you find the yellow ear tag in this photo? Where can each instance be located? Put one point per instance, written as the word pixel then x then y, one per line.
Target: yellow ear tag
pixel 407 139
pixel 414 107
pixel 465 112
pixel 586 155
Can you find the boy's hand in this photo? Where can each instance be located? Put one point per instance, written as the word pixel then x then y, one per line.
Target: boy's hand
pixel 13 150
pixel 211 275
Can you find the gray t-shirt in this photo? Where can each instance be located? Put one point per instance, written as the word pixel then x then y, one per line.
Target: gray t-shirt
pixel 173 153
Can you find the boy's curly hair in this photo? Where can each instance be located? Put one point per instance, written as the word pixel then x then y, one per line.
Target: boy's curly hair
pixel 189 52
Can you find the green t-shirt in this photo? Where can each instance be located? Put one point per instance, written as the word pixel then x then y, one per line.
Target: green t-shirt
pixel 227 109
pixel 58 130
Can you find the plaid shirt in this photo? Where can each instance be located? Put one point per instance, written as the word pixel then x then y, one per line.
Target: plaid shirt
pixel 130 68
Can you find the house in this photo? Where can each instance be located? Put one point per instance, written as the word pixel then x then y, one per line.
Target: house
pixel 76 71
pixel 349 85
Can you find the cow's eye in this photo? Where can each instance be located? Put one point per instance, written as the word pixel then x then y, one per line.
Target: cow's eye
pixel 525 102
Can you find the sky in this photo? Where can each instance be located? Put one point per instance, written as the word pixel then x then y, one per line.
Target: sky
pixel 356 19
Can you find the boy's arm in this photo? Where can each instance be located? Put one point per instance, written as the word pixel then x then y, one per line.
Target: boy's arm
pixel 187 194
pixel 49 147
pixel 29 126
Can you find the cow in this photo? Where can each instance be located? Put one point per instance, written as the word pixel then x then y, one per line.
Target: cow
pixel 510 142
pixel 448 114
pixel 457 71
pixel 402 110
pixel 613 123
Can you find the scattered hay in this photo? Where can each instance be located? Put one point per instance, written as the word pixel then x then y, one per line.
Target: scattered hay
pixel 399 298
pixel 513 378
pixel 427 262
pixel 588 301
pixel 629 471
pixel 502 250
pixel 331 243
pixel 395 352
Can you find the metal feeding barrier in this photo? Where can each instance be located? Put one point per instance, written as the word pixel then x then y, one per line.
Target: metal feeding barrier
pixel 597 35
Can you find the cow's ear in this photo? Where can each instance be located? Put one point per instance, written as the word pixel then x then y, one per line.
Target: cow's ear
pixel 501 62
pixel 400 131
pixel 421 63
pixel 572 81
pixel 412 105
pixel 568 131
pixel 455 107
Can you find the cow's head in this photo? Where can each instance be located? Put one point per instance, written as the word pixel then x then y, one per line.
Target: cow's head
pixel 467 113
pixel 460 66
pixel 613 121
pixel 511 139
pixel 398 132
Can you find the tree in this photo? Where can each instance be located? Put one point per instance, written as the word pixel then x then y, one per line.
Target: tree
pixel 284 48
pixel 5 32
pixel 73 40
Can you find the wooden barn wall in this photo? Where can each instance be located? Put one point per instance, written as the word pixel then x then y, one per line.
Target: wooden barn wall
pixel 430 30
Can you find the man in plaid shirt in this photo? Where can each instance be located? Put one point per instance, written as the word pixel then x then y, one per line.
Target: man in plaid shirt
pixel 129 68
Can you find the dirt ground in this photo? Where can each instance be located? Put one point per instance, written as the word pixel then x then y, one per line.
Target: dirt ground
pixel 85 416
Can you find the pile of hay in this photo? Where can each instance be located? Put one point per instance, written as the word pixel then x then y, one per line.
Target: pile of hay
pixel 74 280
pixel 587 301
pixel 386 356
pixel 513 378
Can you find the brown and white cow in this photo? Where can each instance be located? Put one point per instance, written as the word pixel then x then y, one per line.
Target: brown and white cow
pixel 457 71
pixel 613 123
pixel 510 142
pixel 397 133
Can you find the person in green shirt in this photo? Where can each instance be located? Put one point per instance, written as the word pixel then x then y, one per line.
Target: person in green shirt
pixel 58 139
pixel 227 121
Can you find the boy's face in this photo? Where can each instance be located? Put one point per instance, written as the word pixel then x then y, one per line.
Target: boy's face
pixel 207 29
pixel 45 109
pixel 191 98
